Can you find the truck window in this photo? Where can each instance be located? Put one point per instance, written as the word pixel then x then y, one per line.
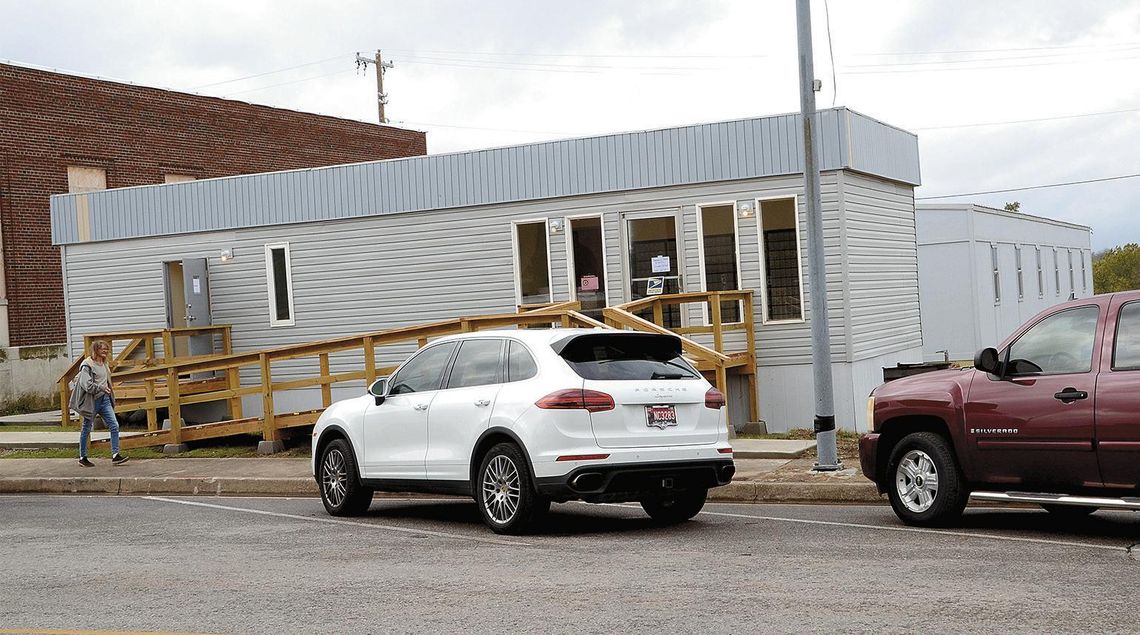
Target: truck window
pixel 1126 351
pixel 1060 344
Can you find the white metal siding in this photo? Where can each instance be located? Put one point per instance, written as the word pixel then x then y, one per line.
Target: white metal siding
pixel 882 263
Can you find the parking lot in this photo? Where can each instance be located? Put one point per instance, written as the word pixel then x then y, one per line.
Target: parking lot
pixel 272 565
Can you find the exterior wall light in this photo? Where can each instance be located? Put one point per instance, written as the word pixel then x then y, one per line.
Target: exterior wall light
pixel 227 255
pixel 556 225
pixel 745 209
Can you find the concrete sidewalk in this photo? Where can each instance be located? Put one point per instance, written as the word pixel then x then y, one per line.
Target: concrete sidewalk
pixel 757 480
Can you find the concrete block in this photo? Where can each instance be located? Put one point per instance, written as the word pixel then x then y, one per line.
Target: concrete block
pixel 270 447
pixel 175 448
pixel 755 427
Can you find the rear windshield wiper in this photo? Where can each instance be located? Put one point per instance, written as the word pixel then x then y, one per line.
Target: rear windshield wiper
pixel 657 375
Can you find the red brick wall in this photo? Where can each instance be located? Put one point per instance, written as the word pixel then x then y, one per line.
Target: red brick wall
pixel 49 121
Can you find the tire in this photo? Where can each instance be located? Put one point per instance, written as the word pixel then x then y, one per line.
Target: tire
pixel 676 507
pixel 916 500
pixel 1069 512
pixel 339 481
pixel 505 493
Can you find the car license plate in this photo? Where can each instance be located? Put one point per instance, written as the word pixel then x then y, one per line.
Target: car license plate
pixel 661 417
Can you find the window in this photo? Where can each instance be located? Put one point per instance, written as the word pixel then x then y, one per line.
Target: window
pixel 1072 281
pixel 279 273
pixel 718 244
pixel 178 178
pixel 779 244
pixel 1126 354
pixel 85 179
pixel 627 357
pixel 1040 276
pixel 1057 271
pixel 532 263
pixel 479 363
pixel 1061 343
pixel 520 365
pixel 997 273
pixel 1020 277
pixel 424 371
pixel 1084 274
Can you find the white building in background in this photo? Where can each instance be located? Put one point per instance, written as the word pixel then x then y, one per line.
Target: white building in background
pixel 982 272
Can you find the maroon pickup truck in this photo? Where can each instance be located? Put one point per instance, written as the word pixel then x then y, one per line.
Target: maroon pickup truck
pixel 1052 417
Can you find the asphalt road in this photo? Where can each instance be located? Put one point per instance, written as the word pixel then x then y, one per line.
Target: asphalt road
pixel 245 565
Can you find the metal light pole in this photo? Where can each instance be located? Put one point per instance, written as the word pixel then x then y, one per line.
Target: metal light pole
pixel 820 335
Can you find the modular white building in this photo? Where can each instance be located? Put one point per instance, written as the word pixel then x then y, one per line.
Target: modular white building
pixel 983 272
pixel 303 255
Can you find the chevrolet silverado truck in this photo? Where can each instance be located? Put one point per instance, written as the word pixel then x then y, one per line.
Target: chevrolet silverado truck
pixel 1050 417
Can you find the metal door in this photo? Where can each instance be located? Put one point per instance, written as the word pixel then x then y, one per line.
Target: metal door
pixel 196 281
pixel 1118 400
pixel 1035 426
pixel 652 254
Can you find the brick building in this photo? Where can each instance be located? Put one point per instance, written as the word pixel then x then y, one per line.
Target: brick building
pixel 61 133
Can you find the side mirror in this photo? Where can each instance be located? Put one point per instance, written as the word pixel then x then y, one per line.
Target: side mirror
pixel 379 390
pixel 987 360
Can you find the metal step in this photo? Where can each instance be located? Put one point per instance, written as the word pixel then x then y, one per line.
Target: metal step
pixel 1126 502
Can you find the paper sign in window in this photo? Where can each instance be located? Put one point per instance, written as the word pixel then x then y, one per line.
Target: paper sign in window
pixel 660 264
pixel 588 283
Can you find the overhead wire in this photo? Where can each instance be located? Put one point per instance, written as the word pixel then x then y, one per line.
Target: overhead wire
pixel 1032 187
pixel 279 70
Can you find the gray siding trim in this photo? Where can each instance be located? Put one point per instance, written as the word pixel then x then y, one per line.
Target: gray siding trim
pixel 689 155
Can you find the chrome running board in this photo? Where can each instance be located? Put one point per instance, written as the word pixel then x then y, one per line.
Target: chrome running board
pixel 1129 502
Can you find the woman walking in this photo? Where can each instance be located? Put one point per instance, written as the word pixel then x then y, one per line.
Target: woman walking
pixel 97 398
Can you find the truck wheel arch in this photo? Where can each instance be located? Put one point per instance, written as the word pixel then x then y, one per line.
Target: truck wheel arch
pixel 893 430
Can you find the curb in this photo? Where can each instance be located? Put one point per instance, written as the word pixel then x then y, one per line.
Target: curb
pixel 736 492
pixel 762 492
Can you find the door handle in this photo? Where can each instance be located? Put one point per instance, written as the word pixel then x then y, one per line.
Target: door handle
pixel 421 406
pixel 1070 395
pixel 482 402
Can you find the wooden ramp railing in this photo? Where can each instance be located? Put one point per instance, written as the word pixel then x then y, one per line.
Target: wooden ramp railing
pixel 173 376
pixel 716 360
pixel 152 383
pixel 141 350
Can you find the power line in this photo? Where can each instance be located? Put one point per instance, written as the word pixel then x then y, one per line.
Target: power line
pixel 831 53
pixel 1085 56
pixel 296 81
pixel 445 125
pixel 1001 50
pixel 1019 121
pixel 979 68
pixel 280 70
pixel 1031 187
pixel 587 55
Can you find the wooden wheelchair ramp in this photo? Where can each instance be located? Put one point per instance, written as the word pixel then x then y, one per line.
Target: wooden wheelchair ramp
pixel 166 384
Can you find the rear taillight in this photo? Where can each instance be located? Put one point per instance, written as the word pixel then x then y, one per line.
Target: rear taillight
pixel 724 450
pixel 714 399
pixel 576 399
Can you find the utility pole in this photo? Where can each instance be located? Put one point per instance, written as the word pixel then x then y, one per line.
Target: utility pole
pixel 828 460
pixel 381 68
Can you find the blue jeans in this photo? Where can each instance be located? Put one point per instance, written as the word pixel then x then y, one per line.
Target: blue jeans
pixel 104 409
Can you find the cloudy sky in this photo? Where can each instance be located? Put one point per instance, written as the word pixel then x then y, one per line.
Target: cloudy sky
pixel 1002 95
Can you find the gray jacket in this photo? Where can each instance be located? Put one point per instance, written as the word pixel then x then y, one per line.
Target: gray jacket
pixel 83 393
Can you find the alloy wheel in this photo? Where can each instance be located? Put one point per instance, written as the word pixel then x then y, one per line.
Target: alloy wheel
pixel 334 477
pixel 916 481
pixel 501 489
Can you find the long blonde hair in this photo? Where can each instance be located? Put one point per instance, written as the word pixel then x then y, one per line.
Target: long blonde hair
pixel 96 345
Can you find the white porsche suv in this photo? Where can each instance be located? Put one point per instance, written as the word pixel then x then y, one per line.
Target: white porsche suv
pixel 519 419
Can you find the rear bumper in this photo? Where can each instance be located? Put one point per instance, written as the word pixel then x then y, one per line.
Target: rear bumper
pixel 868 455
pixel 630 481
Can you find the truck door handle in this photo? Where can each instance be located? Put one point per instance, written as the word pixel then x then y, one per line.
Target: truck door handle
pixel 421 406
pixel 482 402
pixel 1070 395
